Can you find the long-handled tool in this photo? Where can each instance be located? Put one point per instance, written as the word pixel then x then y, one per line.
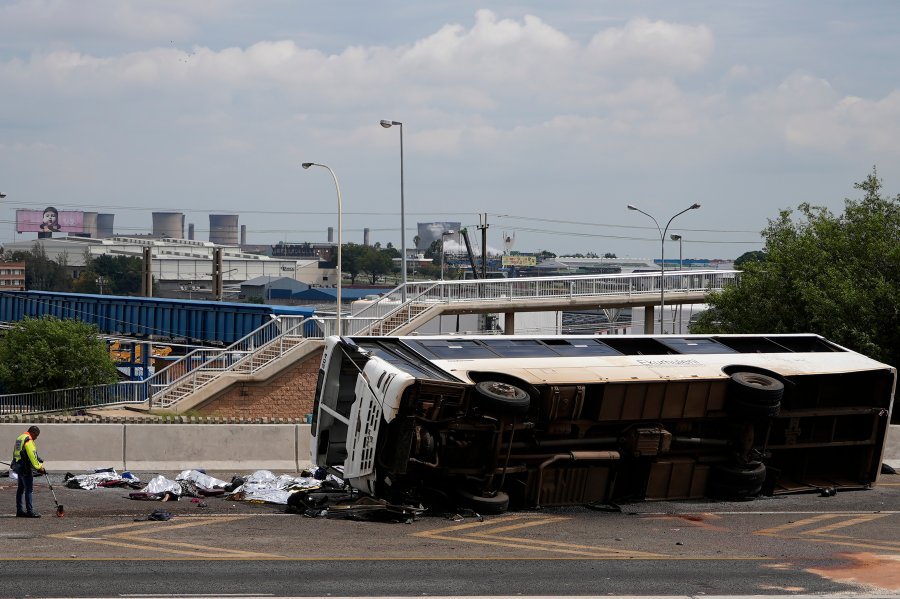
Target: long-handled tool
pixel 60 510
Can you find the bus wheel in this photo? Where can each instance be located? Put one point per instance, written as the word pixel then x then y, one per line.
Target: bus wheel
pixel 735 482
pixel 502 397
pixel 754 395
pixel 488 506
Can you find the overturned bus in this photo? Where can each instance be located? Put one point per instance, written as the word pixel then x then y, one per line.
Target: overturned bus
pixel 492 422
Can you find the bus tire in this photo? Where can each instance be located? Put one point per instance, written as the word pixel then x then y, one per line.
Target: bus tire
pixel 495 396
pixel 760 388
pixel 729 481
pixel 754 395
pixel 482 504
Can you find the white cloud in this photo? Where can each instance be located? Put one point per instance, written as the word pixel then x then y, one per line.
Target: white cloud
pixel 850 124
pixel 652 45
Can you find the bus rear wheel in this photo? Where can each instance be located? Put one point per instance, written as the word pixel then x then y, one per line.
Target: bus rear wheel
pixel 500 397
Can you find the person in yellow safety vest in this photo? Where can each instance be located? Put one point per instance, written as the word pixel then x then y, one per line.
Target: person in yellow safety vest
pixel 25 458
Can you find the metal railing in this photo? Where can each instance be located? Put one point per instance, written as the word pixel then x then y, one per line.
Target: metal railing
pixel 385 315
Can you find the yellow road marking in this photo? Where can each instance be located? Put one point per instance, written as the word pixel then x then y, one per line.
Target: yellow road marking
pixel 824 534
pixel 137 536
pixel 775 530
pixel 493 536
pixel 844 524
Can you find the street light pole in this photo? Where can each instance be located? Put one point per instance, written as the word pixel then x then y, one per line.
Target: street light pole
pixel 337 187
pixel 678 311
pixel 444 234
pixel 676 237
pixel 662 264
pixel 387 124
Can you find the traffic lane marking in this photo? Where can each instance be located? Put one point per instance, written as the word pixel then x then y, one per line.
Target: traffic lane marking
pixel 492 536
pixel 825 534
pixel 138 536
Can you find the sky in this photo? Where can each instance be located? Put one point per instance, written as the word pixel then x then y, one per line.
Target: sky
pixel 546 119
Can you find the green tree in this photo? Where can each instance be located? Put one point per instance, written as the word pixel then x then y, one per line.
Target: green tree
pixel 756 256
pixel 42 273
pixel 353 260
pixel 838 276
pixel 121 274
pixel 42 354
pixel 377 262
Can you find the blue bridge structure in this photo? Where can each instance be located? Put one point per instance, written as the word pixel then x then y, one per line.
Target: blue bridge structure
pixel 195 322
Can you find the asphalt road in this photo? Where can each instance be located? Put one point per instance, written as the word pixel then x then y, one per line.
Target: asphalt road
pixel 788 545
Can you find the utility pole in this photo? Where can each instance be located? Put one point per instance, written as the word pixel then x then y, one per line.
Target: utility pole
pixel 217 274
pixel 483 227
pixel 147 273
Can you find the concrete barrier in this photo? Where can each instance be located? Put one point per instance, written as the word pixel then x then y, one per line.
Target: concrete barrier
pixel 214 447
pixel 159 447
pixel 72 447
pixel 80 447
pixel 892 446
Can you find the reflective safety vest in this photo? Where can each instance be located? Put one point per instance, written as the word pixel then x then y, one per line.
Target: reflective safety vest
pixel 25 443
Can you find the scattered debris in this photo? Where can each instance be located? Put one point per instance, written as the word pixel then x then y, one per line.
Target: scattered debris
pixel 158 515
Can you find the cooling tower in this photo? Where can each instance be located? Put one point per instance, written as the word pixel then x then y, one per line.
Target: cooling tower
pixel 223 229
pixel 330 234
pixel 243 235
pixel 168 224
pixel 105 225
pixel 366 236
pixel 191 231
pixel 90 223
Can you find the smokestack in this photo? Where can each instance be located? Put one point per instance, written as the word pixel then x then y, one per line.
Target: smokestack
pixel 366 236
pixel 330 234
pixel 243 235
pixel 191 231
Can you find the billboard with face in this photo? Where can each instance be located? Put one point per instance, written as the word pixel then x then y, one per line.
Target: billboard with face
pixel 49 220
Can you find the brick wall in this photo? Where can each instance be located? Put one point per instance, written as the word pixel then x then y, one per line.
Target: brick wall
pixel 287 395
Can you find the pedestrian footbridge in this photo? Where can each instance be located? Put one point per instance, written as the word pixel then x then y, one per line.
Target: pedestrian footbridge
pixel 287 339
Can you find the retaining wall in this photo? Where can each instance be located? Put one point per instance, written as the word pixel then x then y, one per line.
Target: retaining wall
pixel 143 447
pixel 78 447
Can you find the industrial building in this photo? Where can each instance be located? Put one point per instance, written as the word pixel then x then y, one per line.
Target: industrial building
pixel 181 268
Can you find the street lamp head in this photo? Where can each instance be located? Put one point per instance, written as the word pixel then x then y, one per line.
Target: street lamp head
pixel 674 237
pixel 631 207
pixel 307 164
pixel 387 124
pixel 2 195
pixel 695 206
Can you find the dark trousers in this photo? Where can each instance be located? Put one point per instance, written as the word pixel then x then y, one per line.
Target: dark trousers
pixel 25 488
